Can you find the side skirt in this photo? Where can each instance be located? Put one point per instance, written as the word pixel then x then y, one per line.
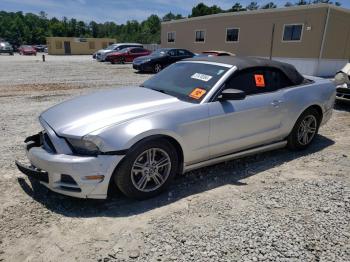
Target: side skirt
pixel 236 155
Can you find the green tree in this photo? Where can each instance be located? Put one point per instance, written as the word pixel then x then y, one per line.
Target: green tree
pixel 252 6
pixel 269 5
pixel 236 8
pixel 202 9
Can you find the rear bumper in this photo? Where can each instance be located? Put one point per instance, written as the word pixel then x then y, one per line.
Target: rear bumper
pixel 52 170
pixel 343 93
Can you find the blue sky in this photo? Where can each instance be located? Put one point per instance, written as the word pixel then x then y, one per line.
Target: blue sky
pixel 119 11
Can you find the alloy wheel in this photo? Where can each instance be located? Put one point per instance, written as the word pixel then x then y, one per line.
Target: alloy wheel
pixel 157 68
pixel 307 129
pixel 150 170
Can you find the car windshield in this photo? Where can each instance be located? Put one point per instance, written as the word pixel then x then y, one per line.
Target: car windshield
pixel 111 47
pixel 186 80
pixel 125 50
pixel 5 44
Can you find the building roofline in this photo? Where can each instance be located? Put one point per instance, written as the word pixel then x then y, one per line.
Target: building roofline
pixel 72 37
pixel 261 11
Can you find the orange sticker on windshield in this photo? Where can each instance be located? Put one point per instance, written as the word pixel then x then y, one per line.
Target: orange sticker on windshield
pixel 197 93
pixel 259 80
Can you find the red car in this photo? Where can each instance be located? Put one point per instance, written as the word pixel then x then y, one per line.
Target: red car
pixel 26 50
pixel 127 55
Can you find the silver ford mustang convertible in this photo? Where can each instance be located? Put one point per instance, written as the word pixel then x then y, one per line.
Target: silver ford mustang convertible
pixel 194 113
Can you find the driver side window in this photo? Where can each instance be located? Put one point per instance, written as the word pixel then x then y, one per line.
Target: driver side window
pixel 172 52
pixel 258 80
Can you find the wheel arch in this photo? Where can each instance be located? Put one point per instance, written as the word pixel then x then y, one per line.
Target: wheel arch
pixel 318 108
pixel 173 141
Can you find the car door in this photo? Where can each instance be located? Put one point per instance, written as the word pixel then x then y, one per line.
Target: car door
pixel 131 54
pixel 253 121
pixel 182 54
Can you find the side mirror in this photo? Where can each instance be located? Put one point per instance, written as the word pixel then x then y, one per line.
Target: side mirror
pixel 232 94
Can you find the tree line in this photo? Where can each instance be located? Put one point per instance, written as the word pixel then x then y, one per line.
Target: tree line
pixel 19 28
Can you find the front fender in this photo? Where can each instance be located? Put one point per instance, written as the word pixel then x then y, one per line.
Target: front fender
pixel 124 136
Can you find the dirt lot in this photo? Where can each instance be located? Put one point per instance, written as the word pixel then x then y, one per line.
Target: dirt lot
pixel 277 206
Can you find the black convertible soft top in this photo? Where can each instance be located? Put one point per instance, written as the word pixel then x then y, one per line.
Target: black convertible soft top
pixel 248 62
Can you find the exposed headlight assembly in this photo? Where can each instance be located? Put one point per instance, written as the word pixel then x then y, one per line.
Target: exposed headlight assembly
pixel 83 147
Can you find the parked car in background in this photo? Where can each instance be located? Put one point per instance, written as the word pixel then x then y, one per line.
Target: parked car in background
pixel 342 80
pixel 127 55
pixel 217 53
pixel 160 59
pixel 6 48
pixel 40 48
pixel 26 50
pixel 195 113
pixel 101 55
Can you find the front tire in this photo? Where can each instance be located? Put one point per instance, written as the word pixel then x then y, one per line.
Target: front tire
pixel 304 130
pixel 157 68
pixel 147 169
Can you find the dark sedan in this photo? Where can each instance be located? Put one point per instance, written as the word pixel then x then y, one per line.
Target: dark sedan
pixel 160 59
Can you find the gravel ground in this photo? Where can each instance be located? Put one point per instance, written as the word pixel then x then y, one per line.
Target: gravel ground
pixel 276 206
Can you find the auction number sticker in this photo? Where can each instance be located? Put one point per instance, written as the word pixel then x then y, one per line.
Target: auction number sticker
pixel 197 93
pixel 259 80
pixel 201 77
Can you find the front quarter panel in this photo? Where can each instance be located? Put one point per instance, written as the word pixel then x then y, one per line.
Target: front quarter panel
pixel 188 125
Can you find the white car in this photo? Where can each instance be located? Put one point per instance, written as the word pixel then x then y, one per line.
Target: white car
pixel 342 79
pixel 101 55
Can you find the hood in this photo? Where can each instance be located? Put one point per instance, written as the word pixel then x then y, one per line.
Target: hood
pixel 104 51
pixel 143 58
pixel 82 115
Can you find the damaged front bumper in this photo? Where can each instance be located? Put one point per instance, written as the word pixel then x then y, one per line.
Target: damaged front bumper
pixel 77 176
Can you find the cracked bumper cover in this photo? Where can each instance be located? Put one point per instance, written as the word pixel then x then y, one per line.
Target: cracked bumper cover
pixel 49 167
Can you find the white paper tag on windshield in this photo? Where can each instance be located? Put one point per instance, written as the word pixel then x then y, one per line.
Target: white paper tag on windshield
pixel 201 77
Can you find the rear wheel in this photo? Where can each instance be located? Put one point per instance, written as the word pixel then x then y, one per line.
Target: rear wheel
pixel 147 169
pixel 304 130
pixel 157 68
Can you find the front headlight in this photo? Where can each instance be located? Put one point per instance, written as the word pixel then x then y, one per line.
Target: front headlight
pixel 83 147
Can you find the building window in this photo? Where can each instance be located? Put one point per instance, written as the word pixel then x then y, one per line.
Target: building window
pixel 292 32
pixel 171 37
pixel 58 44
pixel 232 34
pixel 91 45
pixel 200 36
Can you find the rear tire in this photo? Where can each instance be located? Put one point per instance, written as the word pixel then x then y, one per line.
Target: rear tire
pixel 304 130
pixel 147 169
